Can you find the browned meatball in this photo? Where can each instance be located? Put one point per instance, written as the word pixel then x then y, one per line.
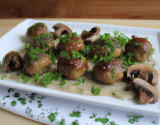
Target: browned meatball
pixel 101 48
pixel 110 72
pixel 36 66
pixel 36 30
pixel 74 43
pixel 140 46
pixel 72 68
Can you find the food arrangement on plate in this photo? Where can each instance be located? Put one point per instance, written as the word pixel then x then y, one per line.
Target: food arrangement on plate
pixel 88 64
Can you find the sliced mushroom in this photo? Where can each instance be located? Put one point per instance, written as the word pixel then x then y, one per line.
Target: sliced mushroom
pixel 41 66
pixel 147 92
pixel 72 68
pixel 90 36
pixel 140 46
pixel 71 45
pixel 110 72
pixel 147 73
pixel 12 61
pixel 36 30
pixel 61 29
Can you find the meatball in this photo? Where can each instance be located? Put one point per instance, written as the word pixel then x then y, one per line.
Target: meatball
pixel 37 66
pixel 109 72
pixel 101 48
pixel 140 46
pixel 74 43
pixel 72 68
pixel 36 30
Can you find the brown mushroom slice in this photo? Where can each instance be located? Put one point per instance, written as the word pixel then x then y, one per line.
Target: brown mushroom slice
pixel 37 29
pixel 69 46
pixel 41 66
pixel 72 68
pixel 144 72
pixel 141 47
pixel 91 36
pixel 147 92
pixel 61 29
pixel 110 72
pixel 12 61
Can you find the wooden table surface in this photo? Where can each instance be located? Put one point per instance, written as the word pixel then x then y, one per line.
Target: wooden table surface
pixel 7 118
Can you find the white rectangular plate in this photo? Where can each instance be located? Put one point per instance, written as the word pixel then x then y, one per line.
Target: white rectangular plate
pixel 12 41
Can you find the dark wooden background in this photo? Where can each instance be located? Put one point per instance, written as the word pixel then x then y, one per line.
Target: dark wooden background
pixel 102 9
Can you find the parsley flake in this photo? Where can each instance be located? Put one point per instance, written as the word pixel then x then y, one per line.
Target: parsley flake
pixel 96 90
pixel 62 83
pixel 52 116
pixel 39 104
pixel 64 54
pixel 75 114
pixel 112 123
pixel 36 77
pixel 103 120
pixel 52 56
pixel 75 123
pixel 25 79
pixel 93 116
pixel 0 64
pixel 3 77
pixel 13 103
pixel 16 95
pixel 153 51
pixel 62 122
pixel 153 122
pixel 134 118
pixel 22 101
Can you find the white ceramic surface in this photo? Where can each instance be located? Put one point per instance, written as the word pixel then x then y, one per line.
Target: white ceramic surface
pixel 12 41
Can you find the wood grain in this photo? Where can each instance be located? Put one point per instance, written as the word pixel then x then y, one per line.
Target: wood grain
pixel 105 9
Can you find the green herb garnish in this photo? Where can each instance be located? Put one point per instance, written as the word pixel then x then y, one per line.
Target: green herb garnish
pixel 13 103
pixel 52 116
pixel 36 77
pixel 25 79
pixel 153 122
pixel 93 116
pixel 75 123
pixel 16 95
pixel 62 122
pixel 52 56
pixel 109 113
pixel 112 71
pixel 0 64
pixel 75 114
pixel 153 51
pixel 112 123
pixel 64 54
pixel 62 83
pixel 96 90
pixel 76 55
pixel 103 120
pixel 22 101
pixel 39 104
pixel 138 44
pixel 134 118
pixel 3 77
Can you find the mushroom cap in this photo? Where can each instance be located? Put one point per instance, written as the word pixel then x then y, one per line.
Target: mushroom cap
pixel 60 29
pixel 140 46
pixel 12 61
pixel 91 35
pixel 150 90
pixel 144 72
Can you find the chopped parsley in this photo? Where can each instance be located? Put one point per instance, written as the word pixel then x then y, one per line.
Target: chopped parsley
pixel 16 95
pixel 28 111
pixel 138 44
pixel 52 116
pixel 76 84
pixel 109 113
pixel 76 54
pixel 86 50
pixel 74 34
pixel 153 50
pixel 4 104
pixel 134 118
pixel 112 71
pixel 96 90
pixel 13 103
pixel 153 122
pixel 0 64
pixel 103 120
pixel 39 104
pixel 78 41
pixel 112 123
pixel 36 77
pixel 32 97
pixel 93 116
pixel 25 79
pixel 22 101
pixel 113 93
pixel 62 122
pixel 75 114
pixel 64 54
pixel 10 89
pixel 80 81
pixel 62 83
pixel 75 123
pixel 57 76
pixel 52 56
pixel 3 77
